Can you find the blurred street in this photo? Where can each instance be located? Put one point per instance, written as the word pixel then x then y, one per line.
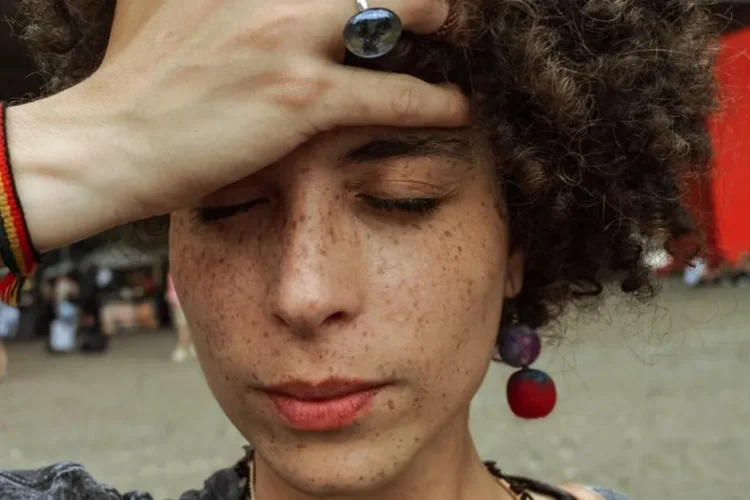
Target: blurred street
pixel 654 400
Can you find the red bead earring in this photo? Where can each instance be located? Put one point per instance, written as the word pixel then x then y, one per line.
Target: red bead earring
pixel 531 393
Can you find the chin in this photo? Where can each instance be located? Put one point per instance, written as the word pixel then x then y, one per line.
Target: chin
pixel 334 468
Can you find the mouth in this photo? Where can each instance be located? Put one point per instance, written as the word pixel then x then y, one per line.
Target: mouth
pixel 328 405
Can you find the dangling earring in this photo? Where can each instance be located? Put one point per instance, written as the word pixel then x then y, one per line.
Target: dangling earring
pixel 531 393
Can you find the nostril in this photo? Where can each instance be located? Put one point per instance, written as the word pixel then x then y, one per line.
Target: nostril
pixel 336 317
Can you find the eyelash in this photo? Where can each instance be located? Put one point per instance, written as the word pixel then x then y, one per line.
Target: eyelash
pixel 418 206
pixel 213 214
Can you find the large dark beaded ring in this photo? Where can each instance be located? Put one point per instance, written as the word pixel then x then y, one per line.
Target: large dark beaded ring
pixel 372 32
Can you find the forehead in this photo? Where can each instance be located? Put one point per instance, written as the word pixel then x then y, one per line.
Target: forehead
pixel 377 144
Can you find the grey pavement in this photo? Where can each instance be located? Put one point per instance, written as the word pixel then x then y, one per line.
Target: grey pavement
pixel 654 400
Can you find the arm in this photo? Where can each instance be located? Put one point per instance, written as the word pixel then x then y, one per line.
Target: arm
pixel 65 165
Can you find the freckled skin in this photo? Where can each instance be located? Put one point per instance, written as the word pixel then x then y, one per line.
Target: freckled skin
pixel 316 284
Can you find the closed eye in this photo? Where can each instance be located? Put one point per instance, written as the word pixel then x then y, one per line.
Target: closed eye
pixel 420 206
pixel 213 214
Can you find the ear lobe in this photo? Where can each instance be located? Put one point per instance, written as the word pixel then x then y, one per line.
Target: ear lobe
pixel 514 274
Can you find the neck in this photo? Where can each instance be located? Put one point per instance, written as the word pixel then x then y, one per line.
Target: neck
pixel 448 468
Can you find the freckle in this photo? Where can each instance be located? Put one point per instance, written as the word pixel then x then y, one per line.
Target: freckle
pixel 391 404
pixel 265 335
pixel 448 234
pixel 276 353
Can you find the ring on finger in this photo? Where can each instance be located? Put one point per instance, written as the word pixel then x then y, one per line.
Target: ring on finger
pixel 372 32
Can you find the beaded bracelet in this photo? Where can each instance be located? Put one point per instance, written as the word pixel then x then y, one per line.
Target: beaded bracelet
pixel 17 252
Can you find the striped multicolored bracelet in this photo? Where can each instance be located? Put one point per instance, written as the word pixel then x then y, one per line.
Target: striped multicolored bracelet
pixel 17 252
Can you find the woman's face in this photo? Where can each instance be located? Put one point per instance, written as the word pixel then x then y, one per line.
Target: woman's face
pixel 345 302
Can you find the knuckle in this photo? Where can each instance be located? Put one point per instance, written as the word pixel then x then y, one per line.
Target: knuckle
pixel 301 86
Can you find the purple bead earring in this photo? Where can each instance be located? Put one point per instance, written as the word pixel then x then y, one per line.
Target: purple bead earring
pixel 531 393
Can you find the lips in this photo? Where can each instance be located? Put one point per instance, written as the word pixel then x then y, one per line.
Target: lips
pixel 324 406
pixel 327 389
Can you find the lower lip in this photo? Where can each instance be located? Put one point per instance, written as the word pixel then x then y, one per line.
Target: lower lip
pixel 324 415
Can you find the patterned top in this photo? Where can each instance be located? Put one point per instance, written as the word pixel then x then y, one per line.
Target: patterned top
pixel 69 480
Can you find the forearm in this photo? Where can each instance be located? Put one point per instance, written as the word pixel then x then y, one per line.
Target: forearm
pixel 66 167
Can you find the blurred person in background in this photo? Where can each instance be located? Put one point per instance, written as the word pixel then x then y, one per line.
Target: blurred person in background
pixel 184 348
pixel 64 328
pixel 93 338
pixel 8 324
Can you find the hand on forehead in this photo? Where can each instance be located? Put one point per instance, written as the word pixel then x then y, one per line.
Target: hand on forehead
pixel 418 16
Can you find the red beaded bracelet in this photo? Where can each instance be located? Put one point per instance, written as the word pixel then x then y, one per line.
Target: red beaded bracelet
pixel 17 252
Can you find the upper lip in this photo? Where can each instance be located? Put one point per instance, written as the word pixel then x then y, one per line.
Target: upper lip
pixel 326 389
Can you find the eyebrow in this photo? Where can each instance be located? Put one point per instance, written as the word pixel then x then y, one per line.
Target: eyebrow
pixel 411 145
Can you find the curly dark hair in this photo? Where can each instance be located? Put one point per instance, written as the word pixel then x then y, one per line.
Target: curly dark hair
pixel 596 109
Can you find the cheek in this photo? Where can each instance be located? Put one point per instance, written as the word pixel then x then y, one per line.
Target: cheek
pixel 446 301
pixel 213 286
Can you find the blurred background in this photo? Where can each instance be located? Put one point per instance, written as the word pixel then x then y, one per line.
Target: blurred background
pixel 654 399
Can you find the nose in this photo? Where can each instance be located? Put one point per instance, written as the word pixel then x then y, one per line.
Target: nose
pixel 317 283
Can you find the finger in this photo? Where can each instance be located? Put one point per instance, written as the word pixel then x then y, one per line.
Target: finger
pixel 319 25
pixel 361 97
pixel 417 16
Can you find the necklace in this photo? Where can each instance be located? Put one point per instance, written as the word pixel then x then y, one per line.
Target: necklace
pixel 509 488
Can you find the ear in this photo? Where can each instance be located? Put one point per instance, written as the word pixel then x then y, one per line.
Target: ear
pixel 514 274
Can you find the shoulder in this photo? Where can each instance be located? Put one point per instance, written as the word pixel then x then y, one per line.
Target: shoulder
pixel 581 492
pixel 71 480
pixel 62 480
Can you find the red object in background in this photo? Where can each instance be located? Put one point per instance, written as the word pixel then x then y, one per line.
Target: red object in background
pixel 728 231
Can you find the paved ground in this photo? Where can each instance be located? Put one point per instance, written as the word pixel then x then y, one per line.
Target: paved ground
pixel 654 400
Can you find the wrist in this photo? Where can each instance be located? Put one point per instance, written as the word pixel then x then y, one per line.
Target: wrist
pixel 63 154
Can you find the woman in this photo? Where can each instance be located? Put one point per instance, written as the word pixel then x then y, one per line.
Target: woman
pixel 9 317
pixel 345 281
pixel 64 328
pixel 184 347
